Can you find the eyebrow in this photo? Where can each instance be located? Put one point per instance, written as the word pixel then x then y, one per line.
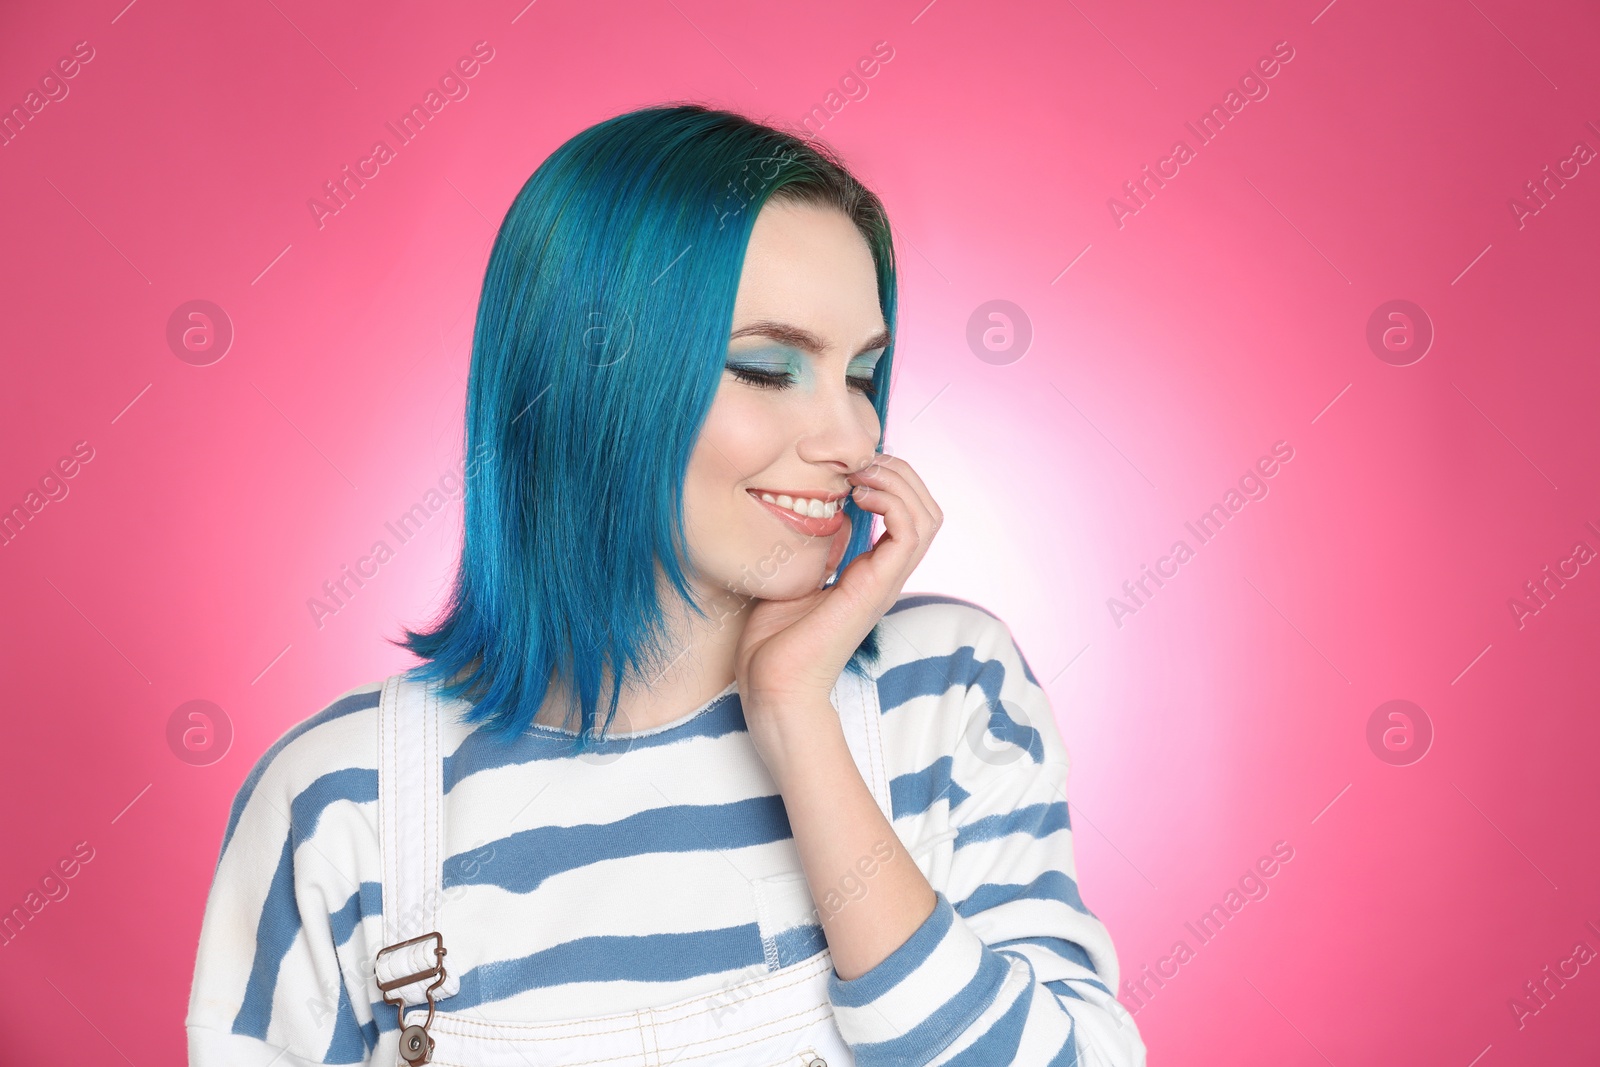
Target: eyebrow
pixel 798 337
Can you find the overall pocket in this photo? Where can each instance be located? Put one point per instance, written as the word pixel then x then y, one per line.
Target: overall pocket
pixel 791 928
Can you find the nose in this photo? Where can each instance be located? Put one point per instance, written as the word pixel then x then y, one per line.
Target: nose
pixel 840 429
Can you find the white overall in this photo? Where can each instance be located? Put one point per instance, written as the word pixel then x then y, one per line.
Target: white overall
pixel 782 1018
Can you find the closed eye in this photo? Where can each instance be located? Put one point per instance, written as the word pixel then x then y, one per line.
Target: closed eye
pixel 763 379
pixel 864 366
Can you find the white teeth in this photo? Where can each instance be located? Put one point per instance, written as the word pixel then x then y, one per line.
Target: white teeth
pixel 804 507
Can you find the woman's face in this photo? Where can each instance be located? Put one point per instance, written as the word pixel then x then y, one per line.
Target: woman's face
pixel 793 416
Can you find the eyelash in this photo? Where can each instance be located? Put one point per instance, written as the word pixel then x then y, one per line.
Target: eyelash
pixel 783 380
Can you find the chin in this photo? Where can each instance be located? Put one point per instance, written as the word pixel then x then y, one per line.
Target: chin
pixel 781 573
pixel 788 590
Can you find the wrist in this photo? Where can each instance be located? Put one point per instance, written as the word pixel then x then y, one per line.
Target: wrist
pixel 798 739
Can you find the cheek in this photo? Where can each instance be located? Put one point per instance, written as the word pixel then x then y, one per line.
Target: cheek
pixel 741 437
pixel 747 426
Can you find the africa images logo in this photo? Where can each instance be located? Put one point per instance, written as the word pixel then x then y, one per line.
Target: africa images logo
pixel 1252 87
pixel 1253 485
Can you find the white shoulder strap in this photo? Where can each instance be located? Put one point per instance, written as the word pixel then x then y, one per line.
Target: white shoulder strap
pixel 411 841
pixel 856 699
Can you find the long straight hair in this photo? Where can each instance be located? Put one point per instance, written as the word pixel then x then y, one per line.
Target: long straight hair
pixel 600 342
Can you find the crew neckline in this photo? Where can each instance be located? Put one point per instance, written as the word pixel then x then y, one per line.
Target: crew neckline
pixel 682 720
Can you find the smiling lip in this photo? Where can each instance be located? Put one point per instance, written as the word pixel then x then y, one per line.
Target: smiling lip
pixel 810 526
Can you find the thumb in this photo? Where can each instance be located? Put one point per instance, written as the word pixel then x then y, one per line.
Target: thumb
pixel 836 548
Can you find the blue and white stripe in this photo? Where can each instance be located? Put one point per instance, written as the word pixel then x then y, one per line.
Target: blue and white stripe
pixel 663 867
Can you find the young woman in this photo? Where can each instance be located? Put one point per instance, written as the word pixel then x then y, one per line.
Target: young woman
pixel 820 821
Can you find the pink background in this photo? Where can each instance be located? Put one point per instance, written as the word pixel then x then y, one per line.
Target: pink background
pixel 1229 713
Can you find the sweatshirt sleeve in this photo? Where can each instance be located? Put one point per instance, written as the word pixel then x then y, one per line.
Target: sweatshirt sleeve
pixel 268 986
pixel 1011 966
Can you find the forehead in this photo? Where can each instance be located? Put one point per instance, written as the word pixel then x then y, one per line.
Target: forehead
pixel 809 266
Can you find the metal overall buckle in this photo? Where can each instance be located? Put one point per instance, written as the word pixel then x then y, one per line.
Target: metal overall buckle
pixel 416 1046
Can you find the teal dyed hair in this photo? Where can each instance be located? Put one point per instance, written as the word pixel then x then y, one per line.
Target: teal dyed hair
pixel 608 303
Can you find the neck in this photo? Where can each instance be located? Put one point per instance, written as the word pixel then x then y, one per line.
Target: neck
pixel 698 664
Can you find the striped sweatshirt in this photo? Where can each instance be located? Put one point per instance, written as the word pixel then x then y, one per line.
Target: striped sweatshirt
pixel 631 877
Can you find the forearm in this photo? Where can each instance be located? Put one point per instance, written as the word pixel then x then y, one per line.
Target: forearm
pixel 870 894
pixel 873 901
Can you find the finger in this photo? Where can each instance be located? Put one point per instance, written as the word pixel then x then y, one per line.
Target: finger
pixel 869 585
pixel 904 518
pixel 836 547
pixel 906 471
pixel 917 485
pixel 899 468
pixel 873 581
pixel 890 480
pixel 898 549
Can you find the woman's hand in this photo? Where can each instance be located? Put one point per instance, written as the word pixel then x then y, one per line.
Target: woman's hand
pixel 792 651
